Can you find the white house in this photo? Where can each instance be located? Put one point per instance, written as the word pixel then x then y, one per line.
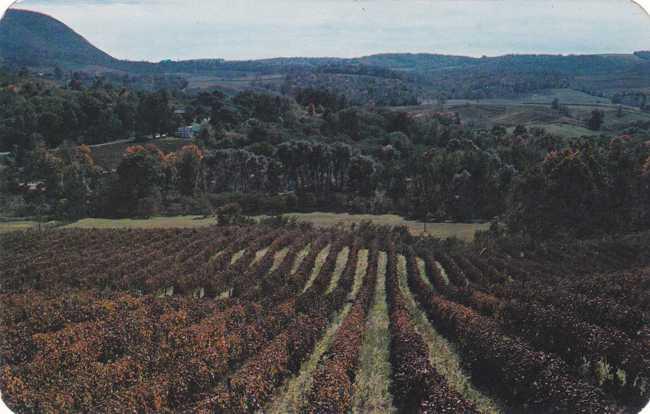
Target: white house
pixel 185 132
pixel 189 131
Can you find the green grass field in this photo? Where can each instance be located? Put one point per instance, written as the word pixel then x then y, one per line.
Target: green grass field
pixel 534 115
pixel 463 231
pixel 533 110
pixel 235 84
pixel 8 226
pixel 564 130
pixel 543 97
pixel 150 223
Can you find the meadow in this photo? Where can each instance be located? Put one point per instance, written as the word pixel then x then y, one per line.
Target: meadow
pixel 463 231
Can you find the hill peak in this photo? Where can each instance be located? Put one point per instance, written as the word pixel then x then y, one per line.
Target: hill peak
pixel 36 39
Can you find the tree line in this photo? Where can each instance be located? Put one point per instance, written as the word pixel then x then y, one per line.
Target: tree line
pixel 314 151
pixel 34 111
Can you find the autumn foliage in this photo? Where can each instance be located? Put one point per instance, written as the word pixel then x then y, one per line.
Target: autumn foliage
pixel 221 318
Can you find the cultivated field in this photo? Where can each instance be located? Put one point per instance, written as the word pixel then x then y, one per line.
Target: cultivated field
pixel 249 318
pixel 232 84
pixel 533 110
pixel 544 97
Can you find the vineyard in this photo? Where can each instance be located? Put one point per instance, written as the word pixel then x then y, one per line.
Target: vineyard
pixel 294 319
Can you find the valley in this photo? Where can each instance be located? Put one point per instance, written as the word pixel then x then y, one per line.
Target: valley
pixel 388 233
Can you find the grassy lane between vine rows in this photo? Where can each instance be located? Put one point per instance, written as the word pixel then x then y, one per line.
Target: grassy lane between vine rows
pixel 442 355
pixel 300 257
pixel 341 260
pixel 371 387
pixel 278 258
pixel 293 397
pixel 320 260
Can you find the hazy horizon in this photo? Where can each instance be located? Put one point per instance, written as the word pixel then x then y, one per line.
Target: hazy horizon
pixel 172 29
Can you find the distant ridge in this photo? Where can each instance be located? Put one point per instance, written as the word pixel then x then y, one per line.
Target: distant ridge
pixel 33 39
pixel 643 54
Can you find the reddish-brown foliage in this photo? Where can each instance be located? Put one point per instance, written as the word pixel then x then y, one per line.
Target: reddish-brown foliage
pixel 417 387
pixel 135 320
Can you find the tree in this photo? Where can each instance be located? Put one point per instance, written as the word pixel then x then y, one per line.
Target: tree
pixel 154 112
pixel 362 171
pixel 349 122
pixel 596 121
pixel 320 97
pixel 555 105
pixel 229 214
pixel 49 125
pixel 140 176
pixel 258 131
pixel 46 170
pixel 399 141
pixel 65 180
pixel 58 73
pixel 78 183
pixel 399 122
pixel 645 192
pixel 189 169
pixel 442 100
pixel 560 195
pixel 265 107
pixel 224 117
pixel 461 205
pixel 207 137
pixel 212 100
pixel 499 130
pixel 520 130
pixel 127 113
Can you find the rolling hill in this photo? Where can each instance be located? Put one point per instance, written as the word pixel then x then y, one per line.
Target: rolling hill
pixel 39 41
pixel 33 39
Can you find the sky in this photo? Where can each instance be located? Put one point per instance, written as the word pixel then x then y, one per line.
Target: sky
pixel 248 29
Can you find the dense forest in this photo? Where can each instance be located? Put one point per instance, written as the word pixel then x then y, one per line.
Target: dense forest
pixel 308 150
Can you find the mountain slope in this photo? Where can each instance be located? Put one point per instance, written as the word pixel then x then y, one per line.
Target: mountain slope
pixel 35 39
